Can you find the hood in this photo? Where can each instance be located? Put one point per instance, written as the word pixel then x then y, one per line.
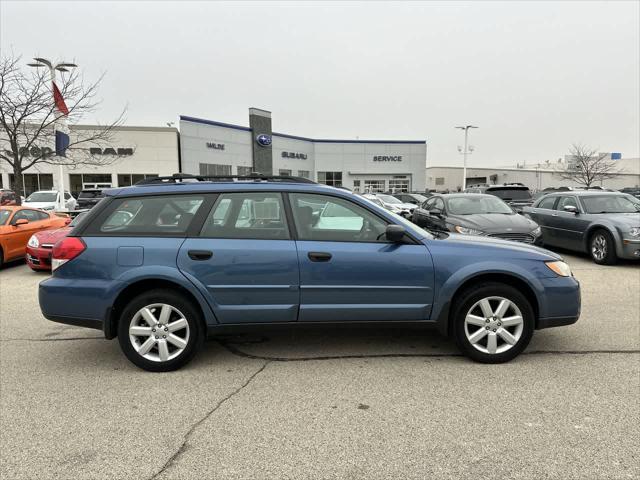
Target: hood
pixel 52 236
pixel 39 204
pixel 517 247
pixel 625 220
pixel 495 222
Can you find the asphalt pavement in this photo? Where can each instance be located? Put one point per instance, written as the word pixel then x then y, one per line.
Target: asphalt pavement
pixel 316 403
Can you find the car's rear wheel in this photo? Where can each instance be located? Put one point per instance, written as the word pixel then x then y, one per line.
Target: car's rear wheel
pixel 493 323
pixel 160 331
pixel 602 248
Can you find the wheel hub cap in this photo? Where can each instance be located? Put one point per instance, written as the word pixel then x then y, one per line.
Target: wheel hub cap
pixel 493 325
pixel 159 332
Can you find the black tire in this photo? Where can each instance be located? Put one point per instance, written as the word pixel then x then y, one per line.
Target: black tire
pixel 608 257
pixel 175 300
pixel 467 299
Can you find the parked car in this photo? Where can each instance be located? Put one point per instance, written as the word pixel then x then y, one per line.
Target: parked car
pixel 17 224
pixel 40 245
pixel 88 198
pixel 9 197
pixel 48 200
pixel 414 198
pixel 635 191
pixel 604 224
pixel 161 265
pixel 516 195
pixel 394 205
pixel 475 214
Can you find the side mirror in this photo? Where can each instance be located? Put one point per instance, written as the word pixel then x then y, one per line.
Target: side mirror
pixel 395 233
pixel 21 221
pixel 435 213
pixel 571 209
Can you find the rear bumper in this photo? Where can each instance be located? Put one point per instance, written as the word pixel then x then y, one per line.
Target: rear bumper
pixel 78 322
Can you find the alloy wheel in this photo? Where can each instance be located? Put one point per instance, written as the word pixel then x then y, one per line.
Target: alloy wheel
pixel 159 332
pixel 493 325
pixel 599 247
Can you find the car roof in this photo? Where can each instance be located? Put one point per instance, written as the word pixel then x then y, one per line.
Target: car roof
pixel 463 195
pixel 15 208
pixel 584 193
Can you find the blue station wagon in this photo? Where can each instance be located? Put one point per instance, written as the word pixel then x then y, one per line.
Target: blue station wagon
pixel 163 264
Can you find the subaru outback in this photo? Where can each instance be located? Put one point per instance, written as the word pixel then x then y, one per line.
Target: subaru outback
pixel 163 264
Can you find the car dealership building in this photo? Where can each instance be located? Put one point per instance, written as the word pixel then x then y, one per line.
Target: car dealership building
pixel 210 147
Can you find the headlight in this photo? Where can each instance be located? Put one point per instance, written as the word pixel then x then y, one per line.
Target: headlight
pixel 33 242
pixel 635 232
pixel 468 231
pixel 537 232
pixel 560 268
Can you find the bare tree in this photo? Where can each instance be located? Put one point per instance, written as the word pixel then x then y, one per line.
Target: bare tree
pixel 587 166
pixel 28 116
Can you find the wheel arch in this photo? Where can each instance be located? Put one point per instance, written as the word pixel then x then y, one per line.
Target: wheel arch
pixel 600 226
pixel 445 317
pixel 136 288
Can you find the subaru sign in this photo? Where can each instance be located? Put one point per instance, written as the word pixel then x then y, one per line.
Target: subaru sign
pixel 263 140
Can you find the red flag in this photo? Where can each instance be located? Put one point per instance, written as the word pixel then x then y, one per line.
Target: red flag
pixel 59 101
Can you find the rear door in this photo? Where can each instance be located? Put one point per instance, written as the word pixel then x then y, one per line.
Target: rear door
pixel 349 272
pixel 245 259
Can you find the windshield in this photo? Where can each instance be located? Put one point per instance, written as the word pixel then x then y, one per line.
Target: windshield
pixel 374 200
pixel 91 194
pixel 609 204
pixel 419 198
pixel 389 199
pixel 473 205
pixel 4 216
pixel 511 193
pixel 42 197
pixel 399 220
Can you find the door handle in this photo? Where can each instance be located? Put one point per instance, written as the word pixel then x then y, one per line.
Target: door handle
pixel 319 256
pixel 200 254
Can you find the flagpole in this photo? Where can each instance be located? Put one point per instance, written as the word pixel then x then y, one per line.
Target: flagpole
pixel 61 203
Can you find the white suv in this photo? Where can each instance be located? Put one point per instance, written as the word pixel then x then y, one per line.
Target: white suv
pixel 48 200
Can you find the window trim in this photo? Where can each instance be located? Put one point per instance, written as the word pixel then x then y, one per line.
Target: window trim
pixel 553 207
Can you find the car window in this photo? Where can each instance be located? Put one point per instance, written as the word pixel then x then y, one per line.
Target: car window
pixel 4 216
pixel 507 193
pixel 257 216
pixel 158 215
pixel 67 195
pixel 438 204
pixel 31 215
pixel 42 197
pixel 333 219
pixel 427 205
pixel 547 203
pixel 609 204
pixel 477 205
pixel 566 201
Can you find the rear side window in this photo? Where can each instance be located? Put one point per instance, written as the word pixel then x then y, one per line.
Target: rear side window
pixel 510 193
pixel 257 216
pixel 167 215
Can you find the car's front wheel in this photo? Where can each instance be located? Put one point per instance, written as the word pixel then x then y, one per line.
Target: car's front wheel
pixel 602 248
pixel 160 331
pixel 493 323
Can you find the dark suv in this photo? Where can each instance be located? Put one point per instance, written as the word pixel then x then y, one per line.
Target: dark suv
pixel 9 197
pixel 516 195
pixel 89 198
pixel 162 264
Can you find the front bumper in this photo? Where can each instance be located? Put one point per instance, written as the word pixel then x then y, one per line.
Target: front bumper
pixel 630 249
pixel 560 302
pixel 39 258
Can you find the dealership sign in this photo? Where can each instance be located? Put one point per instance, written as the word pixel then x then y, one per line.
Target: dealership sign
pixel 384 158
pixel 215 146
pixel 302 156
pixel 121 152
pixel 263 140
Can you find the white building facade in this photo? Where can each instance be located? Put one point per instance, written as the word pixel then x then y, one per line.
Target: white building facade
pixel 214 148
pixel 133 154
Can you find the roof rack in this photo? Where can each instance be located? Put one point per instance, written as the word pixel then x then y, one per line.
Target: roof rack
pixel 187 178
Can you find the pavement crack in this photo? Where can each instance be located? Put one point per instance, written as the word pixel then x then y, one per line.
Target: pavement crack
pixel 207 415
pixel 236 351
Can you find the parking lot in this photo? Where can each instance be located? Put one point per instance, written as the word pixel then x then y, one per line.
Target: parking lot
pixel 311 403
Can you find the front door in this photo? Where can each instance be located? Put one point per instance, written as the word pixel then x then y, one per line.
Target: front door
pixel 19 235
pixel 349 272
pixel 245 259
pixel 568 227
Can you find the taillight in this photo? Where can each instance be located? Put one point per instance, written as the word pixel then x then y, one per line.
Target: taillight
pixel 66 249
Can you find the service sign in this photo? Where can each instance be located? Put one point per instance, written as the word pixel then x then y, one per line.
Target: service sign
pixel 387 158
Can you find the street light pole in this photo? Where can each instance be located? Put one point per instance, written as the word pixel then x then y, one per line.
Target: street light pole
pixel 464 153
pixel 61 67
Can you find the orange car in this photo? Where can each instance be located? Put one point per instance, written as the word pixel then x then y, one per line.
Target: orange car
pixel 17 224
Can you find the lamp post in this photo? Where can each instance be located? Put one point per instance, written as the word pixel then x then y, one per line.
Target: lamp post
pixel 60 67
pixel 465 152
